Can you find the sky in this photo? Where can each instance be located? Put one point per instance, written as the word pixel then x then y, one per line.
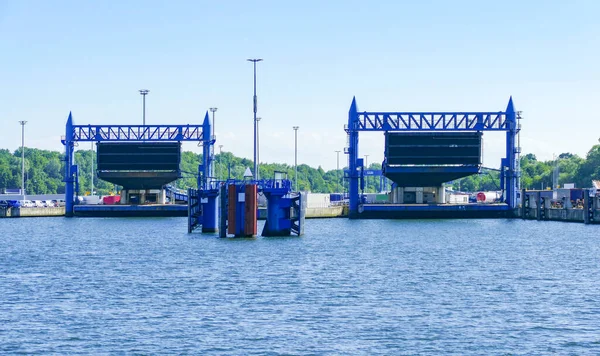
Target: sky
pixel 92 57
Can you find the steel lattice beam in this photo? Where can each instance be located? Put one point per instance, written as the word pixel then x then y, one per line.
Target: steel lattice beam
pixel 430 121
pixel 103 133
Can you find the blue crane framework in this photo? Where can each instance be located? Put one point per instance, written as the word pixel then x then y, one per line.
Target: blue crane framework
pixel 383 182
pixel 134 133
pixel 435 121
pixel 203 201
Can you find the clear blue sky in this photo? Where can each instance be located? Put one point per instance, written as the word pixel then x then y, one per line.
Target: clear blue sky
pixel 91 57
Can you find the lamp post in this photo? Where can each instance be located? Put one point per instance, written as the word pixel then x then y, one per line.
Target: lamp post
pixel 220 161
pixel 144 92
pixel 255 123
pixel 23 157
pixel 92 180
pixel 367 167
pixel 296 155
pixel 258 147
pixel 213 110
pixel 338 167
pixel 212 147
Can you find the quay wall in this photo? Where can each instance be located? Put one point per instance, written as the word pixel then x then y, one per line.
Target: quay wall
pixel 567 215
pixel 31 212
pixel 328 212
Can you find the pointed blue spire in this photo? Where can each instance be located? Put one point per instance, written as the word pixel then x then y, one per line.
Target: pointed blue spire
pixel 206 120
pixel 353 108
pixel 352 113
pixel 69 128
pixel 511 107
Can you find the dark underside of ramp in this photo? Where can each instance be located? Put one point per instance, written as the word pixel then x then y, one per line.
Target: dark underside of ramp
pixel 433 211
pixel 430 159
pixel 139 165
pixel 139 180
pixel 167 210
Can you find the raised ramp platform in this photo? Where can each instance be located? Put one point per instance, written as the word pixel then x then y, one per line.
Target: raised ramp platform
pixel 433 211
pixel 156 210
pixel 139 165
pixel 426 159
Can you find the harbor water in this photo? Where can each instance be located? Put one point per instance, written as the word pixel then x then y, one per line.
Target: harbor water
pixel 350 287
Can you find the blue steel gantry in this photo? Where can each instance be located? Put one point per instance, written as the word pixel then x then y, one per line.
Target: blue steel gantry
pixel 434 122
pixel 140 133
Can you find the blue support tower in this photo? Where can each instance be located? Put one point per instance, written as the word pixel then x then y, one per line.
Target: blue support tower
pixel 353 174
pixel 279 219
pixel 434 121
pixel 511 150
pixel 69 178
pixel 209 191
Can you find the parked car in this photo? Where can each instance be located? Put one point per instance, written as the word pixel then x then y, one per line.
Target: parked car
pixel 49 203
pixel 39 204
pixel 27 204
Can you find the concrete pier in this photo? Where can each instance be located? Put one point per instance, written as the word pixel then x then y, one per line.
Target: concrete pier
pixel 31 212
pixel 155 210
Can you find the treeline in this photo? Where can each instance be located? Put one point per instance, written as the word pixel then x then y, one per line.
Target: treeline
pixel 541 174
pixel 44 172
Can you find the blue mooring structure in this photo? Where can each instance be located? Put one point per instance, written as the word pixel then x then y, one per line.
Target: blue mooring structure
pixel 428 149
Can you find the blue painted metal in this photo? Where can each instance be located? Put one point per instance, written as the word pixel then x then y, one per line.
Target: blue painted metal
pixel 210 210
pixel 68 178
pixel 207 142
pixel 299 213
pixel 208 194
pixel 240 218
pixel 383 181
pixel 194 213
pixel 510 173
pixel 432 121
pixel 176 194
pixel 279 219
pixel 152 133
pixel 353 174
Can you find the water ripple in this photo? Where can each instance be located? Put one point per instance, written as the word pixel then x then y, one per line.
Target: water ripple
pixel 144 286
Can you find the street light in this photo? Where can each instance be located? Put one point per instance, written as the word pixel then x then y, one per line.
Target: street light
pixel 213 115
pixel 144 92
pixel 338 167
pixel 296 155
pixel 258 147
pixel 212 147
pixel 92 180
pixel 255 123
pixel 220 161
pixel 23 157
pixel 367 167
